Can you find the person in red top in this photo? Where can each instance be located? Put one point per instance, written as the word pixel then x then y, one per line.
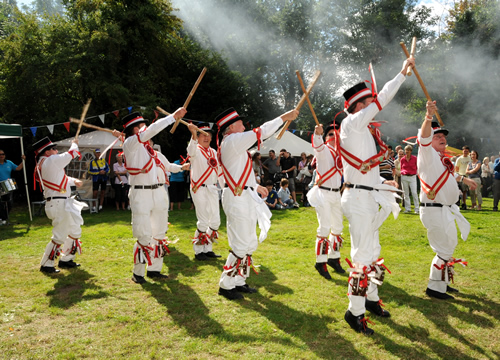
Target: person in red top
pixel 409 179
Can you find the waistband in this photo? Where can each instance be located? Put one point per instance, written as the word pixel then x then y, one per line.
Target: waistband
pixel 245 188
pixel 329 189
pixel 148 187
pixel 56 198
pixel 431 205
pixel 361 187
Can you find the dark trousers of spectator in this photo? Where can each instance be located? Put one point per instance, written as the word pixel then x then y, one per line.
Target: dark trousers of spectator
pixel 486 182
pixel 5 205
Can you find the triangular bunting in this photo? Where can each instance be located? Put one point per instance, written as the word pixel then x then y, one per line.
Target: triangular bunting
pixel 129 109
pixel 66 125
pixel 116 112
pixel 156 115
pixel 33 130
pixel 102 118
pixel 51 129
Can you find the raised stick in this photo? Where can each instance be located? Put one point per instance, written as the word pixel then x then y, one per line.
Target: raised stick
pixel 301 102
pixel 307 97
pixel 412 54
pixel 186 103
pixel 82 118
pixel 403 46
pixel 77 121
pixel 180 120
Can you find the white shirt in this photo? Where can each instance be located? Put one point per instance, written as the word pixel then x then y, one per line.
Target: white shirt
pixel 52 170
pixel 325 161
pixel 199 163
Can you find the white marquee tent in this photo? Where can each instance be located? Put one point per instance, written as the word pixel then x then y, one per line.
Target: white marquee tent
pixel 292 143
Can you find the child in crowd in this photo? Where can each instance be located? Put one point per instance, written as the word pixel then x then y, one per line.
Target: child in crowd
pixel 284 197
pixel 272 197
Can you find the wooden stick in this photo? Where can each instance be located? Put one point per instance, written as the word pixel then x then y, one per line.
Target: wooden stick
pixel 307 97
pixel 301 102
pixel 412 54
pixel 186 103
pixel 77 121
pixel 82 118
pixel 403 46
pixel 180 120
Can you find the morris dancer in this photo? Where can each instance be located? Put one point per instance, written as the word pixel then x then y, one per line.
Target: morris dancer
pixel 148 199
pixel 64 211
pixel 362 198
pixel 325 197
pixel 438 198
pixel 240 198
pixel 204 192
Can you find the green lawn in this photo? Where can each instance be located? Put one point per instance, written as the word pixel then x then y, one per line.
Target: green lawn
pixel 97 312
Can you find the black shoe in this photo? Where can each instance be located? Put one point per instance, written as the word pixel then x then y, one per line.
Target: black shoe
pixel 375 308
pixel 356 323
pixel 211 254
pixel 449 289
pixel 67 264
pixel 245 289
pixel 464 206
pixel 156 275
pixel 321 267
pixel 232 294
pixel 200 257
pixel 495 209
pixel 138 279
pixel 335 264
pixel 438 295
pixel 49 270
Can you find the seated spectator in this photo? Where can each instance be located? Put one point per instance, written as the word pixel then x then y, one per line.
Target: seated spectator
pixel 272 197
pixel 387 166
pixel 284 197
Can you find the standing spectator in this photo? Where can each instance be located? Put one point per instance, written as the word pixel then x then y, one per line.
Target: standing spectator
pixel 387 166
pixel 271 165
pixel 409 179
pixel 288 167
pixel 474 173
pixel 284 197
pixel 272 197
pixel 461 168
pixel 63 210
pixel 121 182
pixel 486 176
pixel 148 199
pixel 177 188
pixel 397 168
pixel 365 202
pixel 496 183
pixel 439 211
pixel 205 171
pixel 99 169
pixel 325 197
pixel 6 168
pixel 257 165
pixel 240 198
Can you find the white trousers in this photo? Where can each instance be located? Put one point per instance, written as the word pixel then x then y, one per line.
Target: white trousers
pixel 361 209
pixel 149 222
pixel 330 218
pixel 443 239
pixel 409 183
pixel 64 223
pixel 206 202
pixel 241 218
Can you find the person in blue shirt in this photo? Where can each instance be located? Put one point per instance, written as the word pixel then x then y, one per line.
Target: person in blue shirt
pixel 272 198
pixel 177 188
pixel 6 168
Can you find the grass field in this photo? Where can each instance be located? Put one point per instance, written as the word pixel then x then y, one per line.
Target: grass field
pixel 97 312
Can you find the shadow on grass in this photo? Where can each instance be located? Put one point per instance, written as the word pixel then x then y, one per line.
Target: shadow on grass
pixel 73 286
pixel 438 312
pixel 311 329
pixel 180 263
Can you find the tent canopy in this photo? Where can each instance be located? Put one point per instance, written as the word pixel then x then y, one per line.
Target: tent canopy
pixel 93 139
pixel 10 131
pixel 292 143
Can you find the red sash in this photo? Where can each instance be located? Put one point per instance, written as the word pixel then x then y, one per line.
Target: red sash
pixel 370 163
pixel 61 187
pixel 237 187
pixel 431 191
pixel 322 178
pixel 209 154
pixel 149 165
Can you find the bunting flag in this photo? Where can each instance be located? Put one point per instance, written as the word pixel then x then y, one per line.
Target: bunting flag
pixel 116 112
pixel 129 109
pixel 33 130
pixel 66 125
pixel 156 115
pixel 51 128
pixel 101 117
